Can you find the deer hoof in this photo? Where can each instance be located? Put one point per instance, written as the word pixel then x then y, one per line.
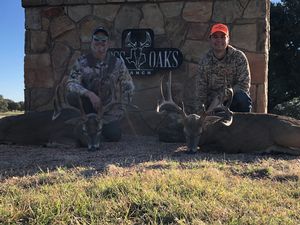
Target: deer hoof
pixel 92 149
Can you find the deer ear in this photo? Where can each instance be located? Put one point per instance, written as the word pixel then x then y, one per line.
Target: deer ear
pixel 210 120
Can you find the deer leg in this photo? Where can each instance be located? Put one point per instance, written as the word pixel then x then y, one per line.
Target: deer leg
pixel 288 136
pixel 284 150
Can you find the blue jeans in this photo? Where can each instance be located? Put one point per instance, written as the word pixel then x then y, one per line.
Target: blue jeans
pixel 241 102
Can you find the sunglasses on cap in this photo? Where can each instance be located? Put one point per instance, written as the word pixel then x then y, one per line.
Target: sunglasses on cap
pixel 99 38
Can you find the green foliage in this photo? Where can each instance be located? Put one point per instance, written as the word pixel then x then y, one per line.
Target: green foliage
pixel 284 66
pixel 3 104
pixel 290 108
pixel 9 105
pixel 161 192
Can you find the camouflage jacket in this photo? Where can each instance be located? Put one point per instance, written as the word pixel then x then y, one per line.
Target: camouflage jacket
pixel 214 74
pixel 88 73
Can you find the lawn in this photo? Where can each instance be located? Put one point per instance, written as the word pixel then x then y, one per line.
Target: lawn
pixel 266 191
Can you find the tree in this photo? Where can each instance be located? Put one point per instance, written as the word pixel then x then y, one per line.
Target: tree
pixel 284 63
pixel 3 104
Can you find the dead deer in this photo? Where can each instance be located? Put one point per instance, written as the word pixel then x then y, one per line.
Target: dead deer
pixel 66 125
pixel 243 133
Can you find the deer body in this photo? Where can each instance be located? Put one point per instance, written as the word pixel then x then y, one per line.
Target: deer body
pixel 38 128
pixel 253 132
pixel 220 130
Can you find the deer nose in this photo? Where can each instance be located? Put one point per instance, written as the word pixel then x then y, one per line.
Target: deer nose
pixel 192 150
pixel 93 148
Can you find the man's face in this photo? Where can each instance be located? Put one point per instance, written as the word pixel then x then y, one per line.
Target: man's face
pixel 219 41
pixel 99 43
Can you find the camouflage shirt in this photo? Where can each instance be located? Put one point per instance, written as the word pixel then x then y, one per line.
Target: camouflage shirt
pixel 214 74
pixel 88 73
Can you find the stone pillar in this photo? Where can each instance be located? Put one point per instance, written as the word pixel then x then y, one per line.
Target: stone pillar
pixel 58 31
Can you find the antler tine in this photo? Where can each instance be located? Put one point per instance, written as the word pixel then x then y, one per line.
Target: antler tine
pixel 82 112
pixel 168 105
pixel 169 85
pixel 114 99
pixel 162 90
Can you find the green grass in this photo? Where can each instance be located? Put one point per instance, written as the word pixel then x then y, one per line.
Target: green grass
pixel 164 192
pixel 11 113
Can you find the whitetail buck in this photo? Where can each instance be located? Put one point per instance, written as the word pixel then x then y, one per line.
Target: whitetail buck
pixel 244 133
pixel 66 125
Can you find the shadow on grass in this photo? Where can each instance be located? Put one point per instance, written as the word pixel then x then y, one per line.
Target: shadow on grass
pixel 130 151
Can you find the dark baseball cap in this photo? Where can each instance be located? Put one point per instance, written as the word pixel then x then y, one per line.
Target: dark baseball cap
pixel 102 30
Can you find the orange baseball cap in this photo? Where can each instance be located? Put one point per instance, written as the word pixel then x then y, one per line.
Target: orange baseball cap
pixel 219 27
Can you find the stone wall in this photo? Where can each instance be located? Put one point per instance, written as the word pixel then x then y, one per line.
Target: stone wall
pixel 58 31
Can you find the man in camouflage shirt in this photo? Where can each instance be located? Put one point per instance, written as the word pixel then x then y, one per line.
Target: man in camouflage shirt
pixel 223 66
pixel 92 77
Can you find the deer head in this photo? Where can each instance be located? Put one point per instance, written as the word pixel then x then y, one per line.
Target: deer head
pixel 195 124
pixel 89 126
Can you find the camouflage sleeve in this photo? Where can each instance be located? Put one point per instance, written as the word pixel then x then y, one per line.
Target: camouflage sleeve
pixel 201 86
pixel 243 73
pixel 74 80
pixel 126 83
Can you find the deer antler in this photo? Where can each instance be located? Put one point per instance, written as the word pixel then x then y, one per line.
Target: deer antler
pixel 114 100
pixel 169 104
pixel 217 107
pixel 81 108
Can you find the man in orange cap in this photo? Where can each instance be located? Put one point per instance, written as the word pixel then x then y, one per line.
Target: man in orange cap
pixel 223 66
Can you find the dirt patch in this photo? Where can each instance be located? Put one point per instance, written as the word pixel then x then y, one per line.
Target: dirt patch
pixel 131 150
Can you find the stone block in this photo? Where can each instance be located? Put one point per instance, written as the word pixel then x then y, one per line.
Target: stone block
pixel 96 1
pixel 88 25
pixel 33 19
pixel 127 17
pixel 198 31
pixel 258 67
pixel 38 41
pixel 146 99
pixel 27 42
pixel 227 11
pixel 28 3
pixel 263 39
pixel 59 25
pixel 77 12
pixel 60 56
pixel 244 36
pixel 262 98
pixel 115 1
pixel 74 57
pixel 70 38
pixel 193 51
pixel 38 99
pixel 45 23
pixel 197 11
pixel 171 9
pixel 255 9
pixel 176 29
pixel 75 2
pixel 51 12
pixel 153 19
pixel 55 2
pixel 193 69
pixel 107 12
pixel 38 71
pixel 253 97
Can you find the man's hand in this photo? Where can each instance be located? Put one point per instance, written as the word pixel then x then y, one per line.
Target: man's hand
pixel 95 100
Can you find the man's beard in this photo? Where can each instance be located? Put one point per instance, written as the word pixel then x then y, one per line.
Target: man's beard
pixel 99 49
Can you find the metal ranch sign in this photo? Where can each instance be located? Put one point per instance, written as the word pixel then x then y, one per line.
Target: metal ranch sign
pixel 140 56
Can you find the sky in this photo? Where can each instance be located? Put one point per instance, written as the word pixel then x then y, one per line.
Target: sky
pixel 12 25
